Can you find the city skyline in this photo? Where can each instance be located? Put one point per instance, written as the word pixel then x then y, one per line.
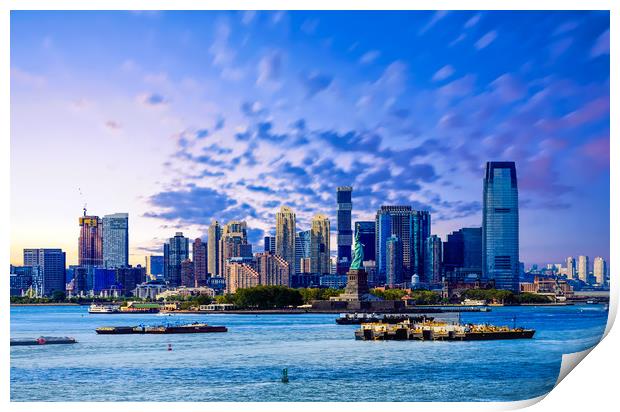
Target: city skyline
pixel 178 139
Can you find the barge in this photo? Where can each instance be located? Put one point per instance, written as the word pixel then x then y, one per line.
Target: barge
pixel 42 340
pixel 439 331
pixel 391 318
pixel 162 329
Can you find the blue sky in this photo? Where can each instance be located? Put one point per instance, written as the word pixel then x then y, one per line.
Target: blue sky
pixel 182 117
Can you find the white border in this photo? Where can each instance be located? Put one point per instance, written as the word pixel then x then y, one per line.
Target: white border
pixel 590 387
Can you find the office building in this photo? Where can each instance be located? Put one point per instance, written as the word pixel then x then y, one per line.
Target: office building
pixel 104 279
pixel 345 234
pixel 462 255
pixel 394 262
pixel 155 266
pixel 500 225
pixel 319 245
pixel 213 249
pixel 51 273
pixel 583 267
pixel 366 232
pixel 21 279
pixel 273 270
pixel 394 221
pixel 285 236
pixel 199 255
pixel 600 270
pixel 433 259
pixel 269 244
pixel 420 232
pixel 115 240
pixel 176 250
pixel 127 278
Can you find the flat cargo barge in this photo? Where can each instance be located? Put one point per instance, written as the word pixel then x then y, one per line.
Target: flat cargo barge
pixel 439 331
pixel 42 340
pixel 137 330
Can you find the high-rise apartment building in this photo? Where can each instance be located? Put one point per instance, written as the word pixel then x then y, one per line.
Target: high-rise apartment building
pixel 273 270
pixel 199 256
pixel 213 249
pixel 600 270
pixel 240 275
pixel 394 261
pixel 51 269
pixel 176 250
pixel 116 240
pixel 319 245
pixel 367 238
pixel 302 250
pixel 234 242
pixel 90 243
pixel 188 278
pixel 345 234
pixel 285 236
pixel 571 271
pixel 583 266
pixel 500 225
pixel 433 259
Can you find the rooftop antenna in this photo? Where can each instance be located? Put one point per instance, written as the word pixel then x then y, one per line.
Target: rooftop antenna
pixel 82 195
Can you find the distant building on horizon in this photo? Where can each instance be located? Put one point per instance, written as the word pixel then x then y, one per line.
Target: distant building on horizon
pixel 115 240
pixel 571 272
pixel 600 270
pixel 51 272
pixel 345 234
pixel 285 236
pixel 500 225
pixel 319 245
pixel 176 250
pixel 213 249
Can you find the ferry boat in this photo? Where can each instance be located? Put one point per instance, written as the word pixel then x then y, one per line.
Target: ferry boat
pixel 439 331
pixel 98 308
pixel 162 329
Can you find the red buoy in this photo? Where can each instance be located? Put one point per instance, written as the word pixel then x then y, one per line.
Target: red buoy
pixel 41 341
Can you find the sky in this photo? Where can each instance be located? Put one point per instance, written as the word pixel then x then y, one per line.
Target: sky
pixel 178 118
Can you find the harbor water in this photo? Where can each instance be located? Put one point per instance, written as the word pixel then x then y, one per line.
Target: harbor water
pixel 324 361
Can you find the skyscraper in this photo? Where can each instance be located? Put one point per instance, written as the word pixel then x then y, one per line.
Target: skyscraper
pixel 583 266
pixel 319 245
pixel 571 273
pixel 213 246
pixel 116 240
pixel 432 259
pixel 367 238
pixel 270 244
pixel 176 250
pixel 600 270
pixel 345 234
pixel 199 255
pixel 397 221
pixel 285 236
pixel 394 261
pixel 156 266
pixel 420 232
pixel 234 242
pixel 500 225
pixel 462 254
pixel 51 269
pixel 90 243
pixel 188 278
pixel 302 251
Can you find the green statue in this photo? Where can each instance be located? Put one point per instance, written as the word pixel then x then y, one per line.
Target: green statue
pixel 358 252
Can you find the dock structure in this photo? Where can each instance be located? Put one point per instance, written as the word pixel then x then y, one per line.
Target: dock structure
pixel 439 331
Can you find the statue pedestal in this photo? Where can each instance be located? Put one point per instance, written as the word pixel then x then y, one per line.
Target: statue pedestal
pixel 357 287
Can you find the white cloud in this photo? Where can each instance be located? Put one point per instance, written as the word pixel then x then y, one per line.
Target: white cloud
pixel 486 40
pixel 440 14
pixel 601 46
pixel 370 56
pixel 443 73
pixel 472 21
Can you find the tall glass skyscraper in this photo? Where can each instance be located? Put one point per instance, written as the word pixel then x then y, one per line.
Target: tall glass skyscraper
pixel 420 232
pixel 90 243
pixel 500 225
pixel 213 249
pixel 116 240
pixel 394 261
pixel 302 249
pixel 176 250
pixel 397 221
pixel 345 234
pixel 285 236
pixel 367 238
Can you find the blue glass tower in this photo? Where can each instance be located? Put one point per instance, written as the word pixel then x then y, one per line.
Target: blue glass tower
pixel 500 225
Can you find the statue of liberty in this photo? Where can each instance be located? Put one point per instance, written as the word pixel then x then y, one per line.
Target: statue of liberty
pixel 358 252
